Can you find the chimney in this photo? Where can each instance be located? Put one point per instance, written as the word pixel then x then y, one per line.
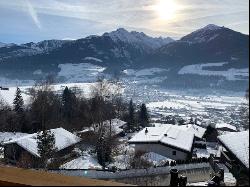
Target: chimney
pixel 174 177
pixel 183 180
pixel 146 131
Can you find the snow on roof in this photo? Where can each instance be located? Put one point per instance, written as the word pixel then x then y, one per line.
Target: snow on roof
pixel 8 136
pixel 63 139
pixel 238 144
pixel 168 135
pixel 197 130
pixel 225 125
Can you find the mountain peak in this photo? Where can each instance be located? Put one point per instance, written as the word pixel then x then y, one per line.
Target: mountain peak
pixel 204 34
pixel 122 30
pixel 211 27
pixel 140 38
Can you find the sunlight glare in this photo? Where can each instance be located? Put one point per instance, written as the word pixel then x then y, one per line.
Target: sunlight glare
pixel 166 9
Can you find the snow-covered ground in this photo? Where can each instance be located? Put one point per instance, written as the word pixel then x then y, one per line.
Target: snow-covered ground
pixel 85 161
pixel 9 95
pixel 85 89
pixel 180 104
pixel 156 159
pixel 15 82
pixel 82 72
pixel 230 74
pixel 144 72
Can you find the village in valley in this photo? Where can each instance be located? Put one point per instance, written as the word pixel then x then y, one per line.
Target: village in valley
pixel 108 136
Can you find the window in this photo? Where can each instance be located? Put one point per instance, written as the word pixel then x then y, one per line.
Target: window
pixel 174 152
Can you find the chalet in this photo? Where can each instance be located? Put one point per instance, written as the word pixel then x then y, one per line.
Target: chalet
pixel 16 148
pixel 235 152
pixel 168 141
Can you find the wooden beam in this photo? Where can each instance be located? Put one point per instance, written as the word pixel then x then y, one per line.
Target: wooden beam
pixel 10 176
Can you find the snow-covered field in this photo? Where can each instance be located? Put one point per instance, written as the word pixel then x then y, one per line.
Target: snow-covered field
pixel 231 74
pixel 195 105
pixel 83 72
pixel 9 95
pixel 85 89
pixel 144 72
pixel 15 82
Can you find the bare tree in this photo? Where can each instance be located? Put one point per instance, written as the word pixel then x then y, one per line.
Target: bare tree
pixel 244 109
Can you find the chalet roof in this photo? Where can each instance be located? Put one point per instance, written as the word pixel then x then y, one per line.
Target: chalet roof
pixel 225 125
pixel 168 135
pixel 197 130
pixel 63 139
pixel 238 144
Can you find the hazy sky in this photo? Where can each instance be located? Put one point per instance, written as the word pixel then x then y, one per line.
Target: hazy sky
pixel 35 20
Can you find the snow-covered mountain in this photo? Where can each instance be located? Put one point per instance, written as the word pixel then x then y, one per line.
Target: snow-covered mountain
pixel 46 45
pixel 138 38
pixel 121 39
pixel 206 45
pixel 6 45
pixel 2 44
pixel 121 50
pixel 11 51
pixel 205 34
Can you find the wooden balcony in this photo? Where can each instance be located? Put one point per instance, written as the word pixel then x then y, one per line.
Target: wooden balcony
pixel 10 176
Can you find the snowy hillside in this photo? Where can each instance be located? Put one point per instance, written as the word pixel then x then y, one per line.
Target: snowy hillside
pixel 230 74
pixel 204 34
pixel 83 72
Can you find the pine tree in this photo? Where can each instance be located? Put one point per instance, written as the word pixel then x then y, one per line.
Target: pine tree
pixel 131 123
pixel 144 117
pixel 46 146
pixel 68 101
pixel 18 102
pixel 103 149
pixel 19 110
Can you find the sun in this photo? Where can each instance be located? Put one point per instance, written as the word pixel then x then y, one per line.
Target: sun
pixel 166 9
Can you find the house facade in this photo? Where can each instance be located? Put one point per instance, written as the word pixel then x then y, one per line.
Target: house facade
pixel 168 141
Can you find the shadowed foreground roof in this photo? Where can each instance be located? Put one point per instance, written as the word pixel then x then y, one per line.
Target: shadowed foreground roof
pixel 16 176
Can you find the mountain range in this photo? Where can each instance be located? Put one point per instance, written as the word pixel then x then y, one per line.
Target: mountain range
pixel 121 49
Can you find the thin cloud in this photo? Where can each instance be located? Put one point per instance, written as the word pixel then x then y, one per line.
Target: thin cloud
pixel 33 14
pixel 80 18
